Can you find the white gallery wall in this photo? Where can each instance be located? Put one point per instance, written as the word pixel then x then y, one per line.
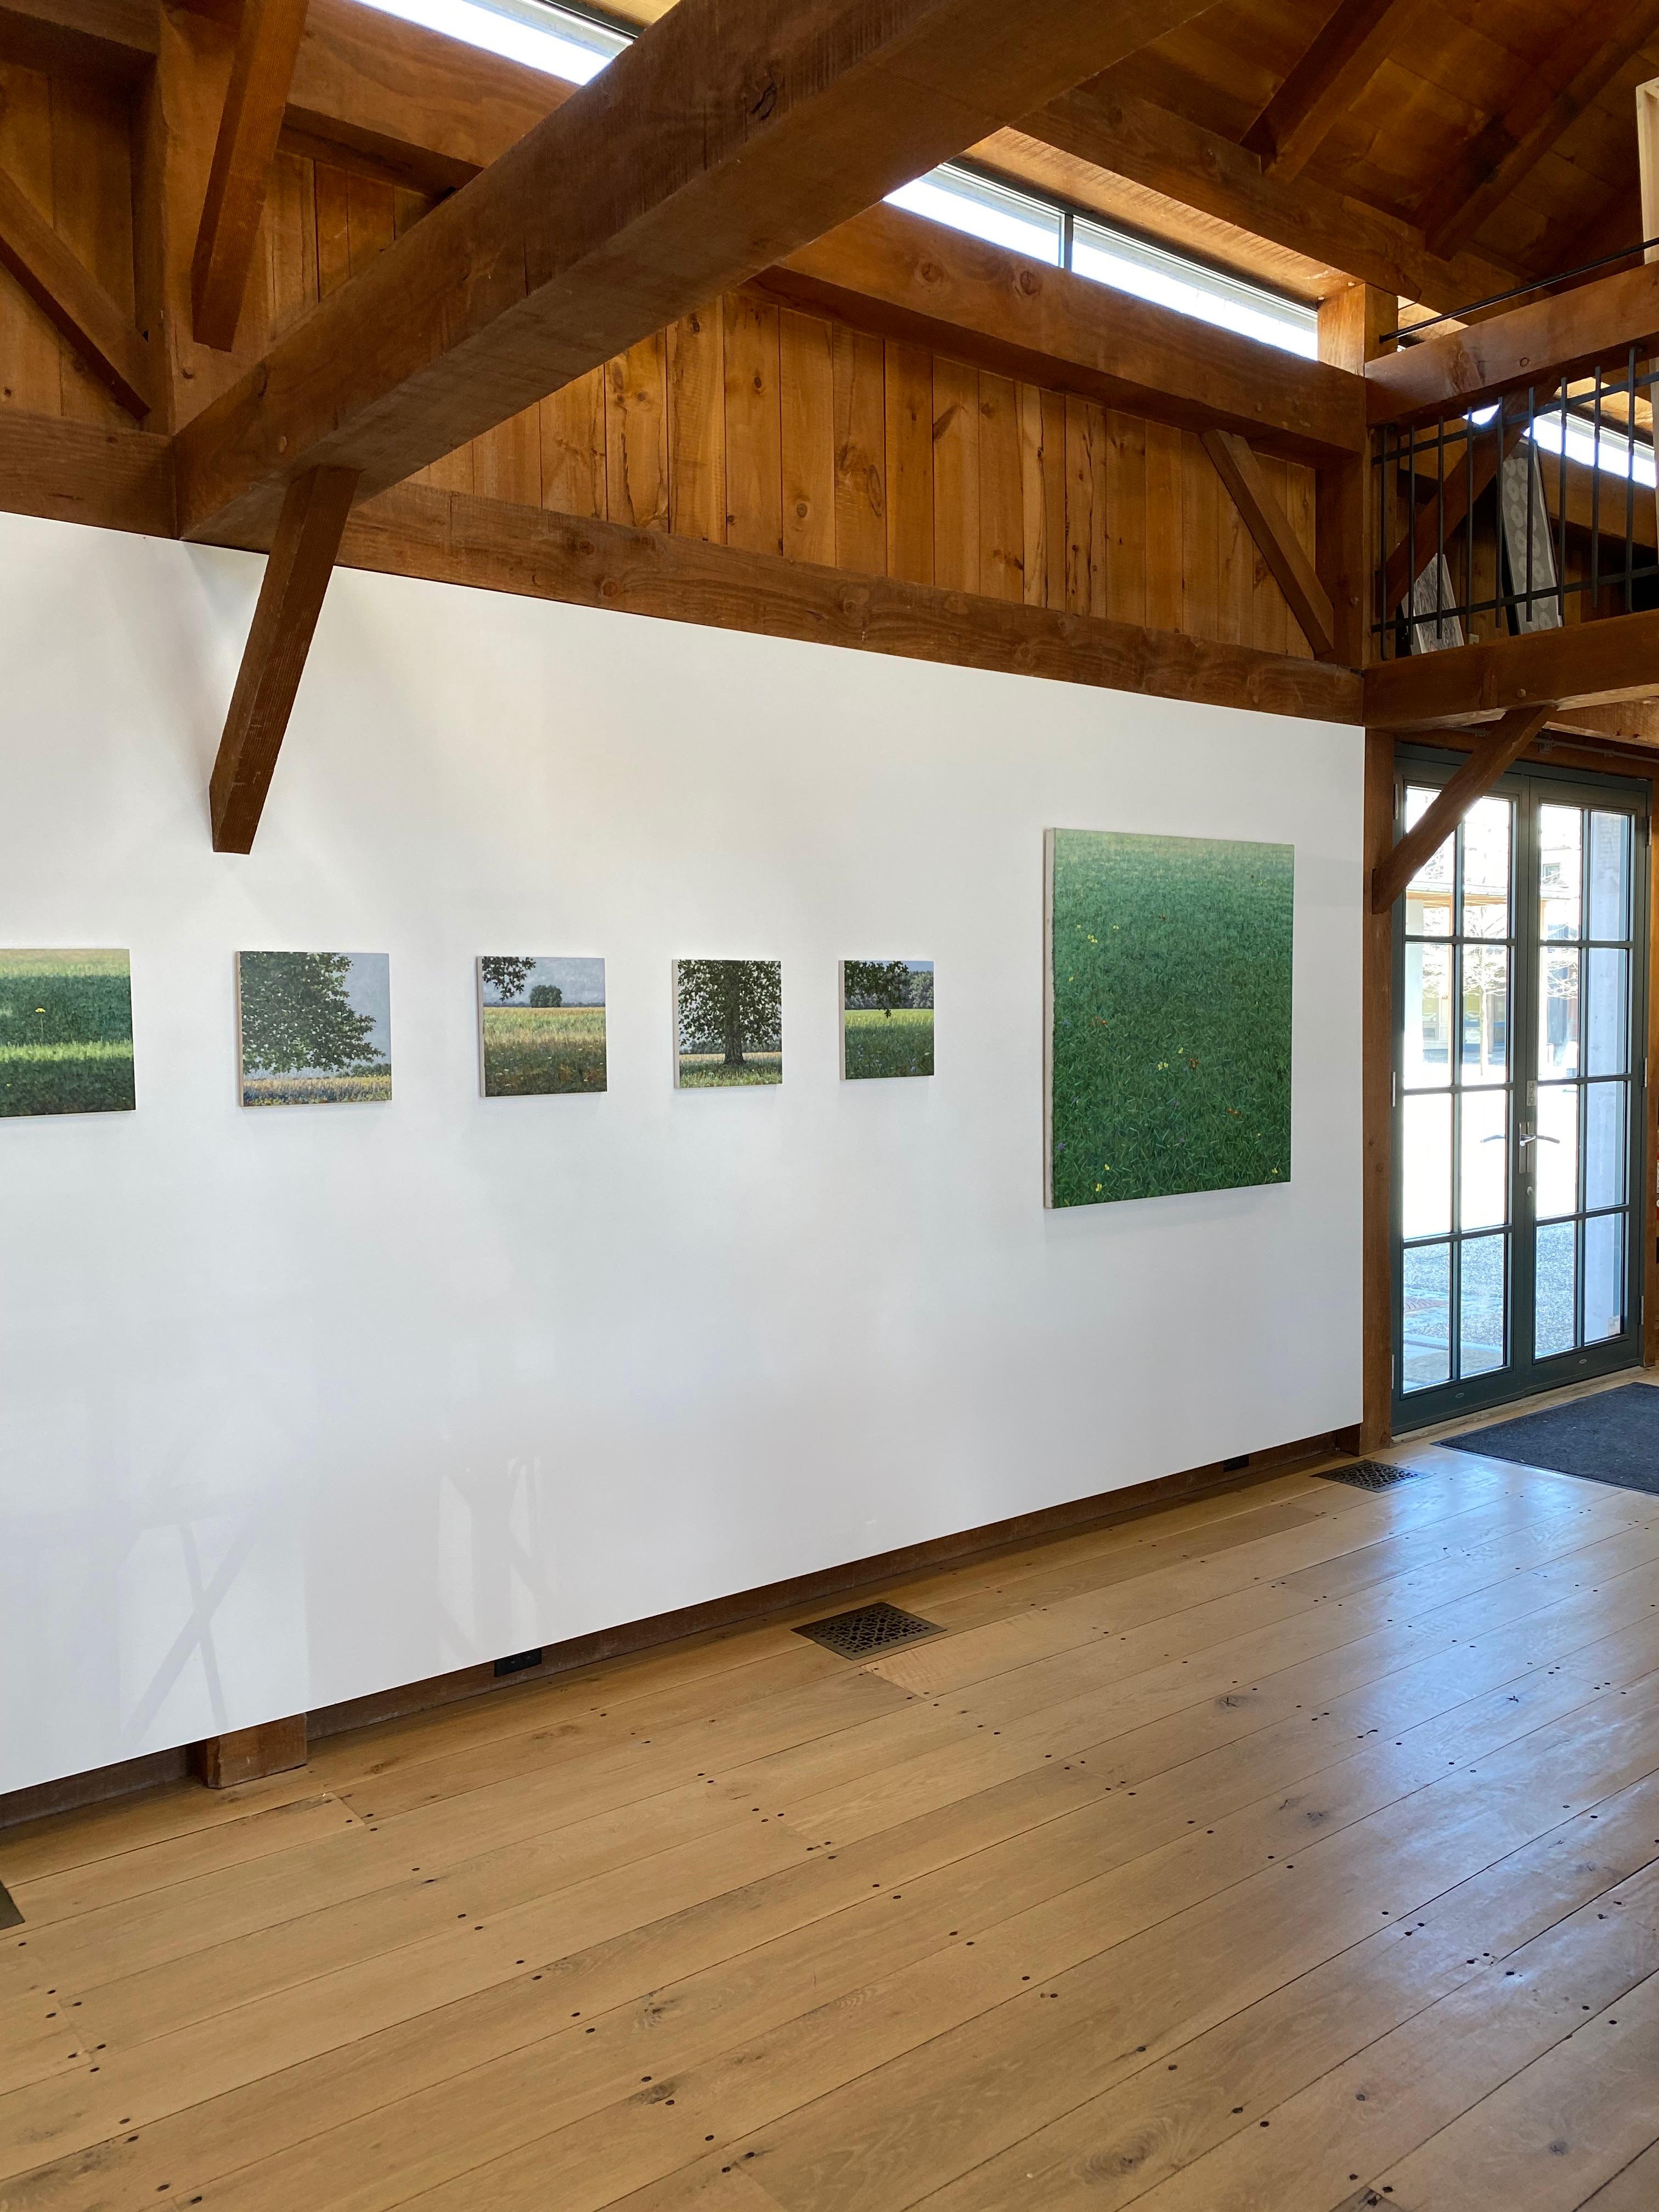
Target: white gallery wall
pixel 297 1404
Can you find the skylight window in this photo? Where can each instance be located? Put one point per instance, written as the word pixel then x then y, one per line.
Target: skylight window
pixel 1112 257
pixel 558 41
pixel 1017 219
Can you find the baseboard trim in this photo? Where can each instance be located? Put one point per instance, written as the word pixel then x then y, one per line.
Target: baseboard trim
pixel 715 1617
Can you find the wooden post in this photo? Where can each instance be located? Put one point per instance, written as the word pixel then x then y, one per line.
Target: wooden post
pixel 247 1754
pixel 1351 325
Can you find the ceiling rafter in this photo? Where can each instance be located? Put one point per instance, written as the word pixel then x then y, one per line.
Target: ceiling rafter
pixel 1356 41
pixel 267 45
pixel 1588 55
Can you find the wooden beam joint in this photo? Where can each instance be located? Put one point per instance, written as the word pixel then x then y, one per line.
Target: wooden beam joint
pixel 73 301
pixel 1497 751
pixel 302 556
pixel 1277 542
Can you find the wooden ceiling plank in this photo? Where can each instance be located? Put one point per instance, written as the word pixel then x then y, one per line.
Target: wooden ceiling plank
pixel 267 44
pixel 1496 752
pixel 1585 58
pixel 1277 542
pixel 1534 345
pixel 1357 38
pixel 1583 664
pixel 728 134
pixel 1164 152
pixel 302 561
pixel 924 284
pixel 70 296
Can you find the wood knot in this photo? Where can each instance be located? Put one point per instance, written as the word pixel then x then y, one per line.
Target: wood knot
pixel 765 107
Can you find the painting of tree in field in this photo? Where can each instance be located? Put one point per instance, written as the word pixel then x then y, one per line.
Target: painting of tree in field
pixel 729 1022
pixel 1169 1059
pixel 886 1018
pixel 316 1028
pixel 542 1020
pixel 65 1033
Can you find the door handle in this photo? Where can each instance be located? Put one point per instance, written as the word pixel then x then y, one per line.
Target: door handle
pixel 1539 1138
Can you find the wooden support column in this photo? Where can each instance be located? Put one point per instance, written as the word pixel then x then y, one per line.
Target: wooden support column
pixel 266 46
pixel 248 1754
pixel 1277 542
pixel 1497 750
pixel 1351 323
pixel 70 296
pixel 309 533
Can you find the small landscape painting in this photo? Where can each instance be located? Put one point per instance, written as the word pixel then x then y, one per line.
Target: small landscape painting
pixel 316 1028
pixel 542 1019
pixel 728 1017
pixel 886 1018
pixel 1169 1059
pixel 65 1033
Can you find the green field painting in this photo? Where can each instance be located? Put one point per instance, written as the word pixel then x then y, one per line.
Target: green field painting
pixel 315 1028
pixel 1170 1015
pixel 887 1018
pixel 543 1024
pixel 728 1023
pixel 65 1033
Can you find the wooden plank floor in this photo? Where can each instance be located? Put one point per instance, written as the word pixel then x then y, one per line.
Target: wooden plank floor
pixel 1290 1851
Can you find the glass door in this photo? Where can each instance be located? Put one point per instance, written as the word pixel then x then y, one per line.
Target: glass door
pixel 1518 1103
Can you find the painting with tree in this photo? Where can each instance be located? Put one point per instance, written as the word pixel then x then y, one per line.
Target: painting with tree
pixel 1168 1066
pixel 886 1018
pixel 728 1017
pixel 65 1033
pixel 315 1028
pixel 541 1021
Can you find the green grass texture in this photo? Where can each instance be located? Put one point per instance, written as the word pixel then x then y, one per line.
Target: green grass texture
pixel 531 1051
pixel 65 1033
pixel 707 1071
pixel 1171 1040
pixel 899 1043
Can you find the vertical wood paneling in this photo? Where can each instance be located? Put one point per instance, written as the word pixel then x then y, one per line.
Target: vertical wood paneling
pixel 92 208
pixel 1202 499
pixel 1125 517
pixel 290 241
pixel 1165 525
pixel 806 385
pixel 754 426
pixel 1085 507
pixel 956 475
pixel 636 435
pixel 370 221
pixel 31 368
pixel 1042 495
pixel 333 191
pixel 858 372
pixel 909 401
pixel 696 426
pixel 506 461
pixel 1001 495
pixel 1237 557
pixel 1271 620
pixel 572 448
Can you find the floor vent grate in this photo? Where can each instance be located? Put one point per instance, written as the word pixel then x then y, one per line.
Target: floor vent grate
pixel 1370 1475
pixel 867 1630
pixel 10 1916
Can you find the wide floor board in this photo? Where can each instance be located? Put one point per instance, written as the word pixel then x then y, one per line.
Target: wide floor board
pixel 1288 1851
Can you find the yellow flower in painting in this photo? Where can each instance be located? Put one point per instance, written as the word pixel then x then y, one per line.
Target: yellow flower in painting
pixel 1097 1186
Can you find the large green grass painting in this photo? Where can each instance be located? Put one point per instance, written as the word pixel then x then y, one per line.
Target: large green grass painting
pixel 543 1020
pixel 1170 1015
pixel 65 1033
pixel 316 1028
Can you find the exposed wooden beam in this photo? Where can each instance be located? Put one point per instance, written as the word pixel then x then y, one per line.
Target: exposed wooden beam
pixel 1535 345
pixel 65 471
pixel 928 285
pixel 1277 542
pixel 1584 664
pixel 1167 154
pixel 727 135
pixel 415 530
pixel 70 296
pixel 296 577
pixel 1647 158
pixel 1584 56
pixel 267 43
pixel 1357 38
pixel 1496 751
pixel 110 38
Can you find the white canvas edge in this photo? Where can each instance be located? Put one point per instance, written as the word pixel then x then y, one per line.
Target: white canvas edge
pixel 1047 1019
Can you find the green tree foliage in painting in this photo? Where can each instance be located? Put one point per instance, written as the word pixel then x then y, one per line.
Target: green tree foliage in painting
pixel 505 974
pixel 547 994
pixel 731 1007
pixel 296 1014
pixel 883 983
